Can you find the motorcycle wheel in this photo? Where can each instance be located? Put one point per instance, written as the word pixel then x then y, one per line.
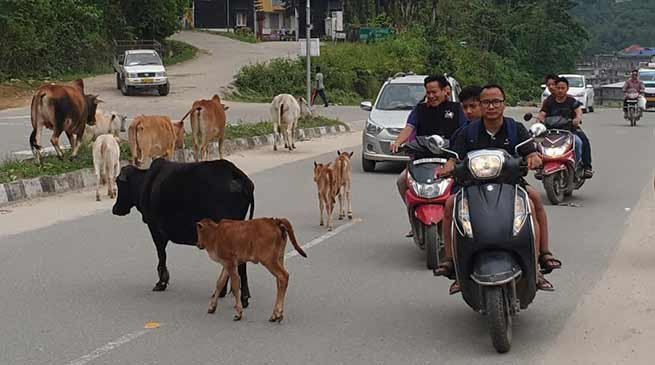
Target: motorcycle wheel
pixel 632 117
pixel 553 186
pixel 434 246
pixel 499 319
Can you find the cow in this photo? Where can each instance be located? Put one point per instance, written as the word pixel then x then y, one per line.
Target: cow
pixel 208 123
pixel 343 179
pixel 325 179
pixel 106 162
pixel 172 197
pixel 61 108
pixel 285 112
pixel 112 123
pixel 261 240
pixel 154 136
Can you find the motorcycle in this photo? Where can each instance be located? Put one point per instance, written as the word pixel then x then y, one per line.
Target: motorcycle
pixel 633 110
pixel 494 228
pixel 562 172
pixel 426 197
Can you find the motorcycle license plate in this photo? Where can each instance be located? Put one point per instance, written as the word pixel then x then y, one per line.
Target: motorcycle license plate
pixel 148 81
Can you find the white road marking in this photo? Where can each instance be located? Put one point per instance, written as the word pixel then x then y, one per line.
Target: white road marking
pixel 108 347
pixel 16 117
pixel 322 238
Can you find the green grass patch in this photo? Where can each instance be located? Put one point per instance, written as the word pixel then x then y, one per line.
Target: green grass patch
pixel 244 35
pixel 178 52
pixel 12 170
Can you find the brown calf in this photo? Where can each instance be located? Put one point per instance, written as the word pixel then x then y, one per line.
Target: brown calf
pixel 207 124
pixel 154 136
pixel 326 183
pixel 232 242
pixel 343 177
pixel 61 108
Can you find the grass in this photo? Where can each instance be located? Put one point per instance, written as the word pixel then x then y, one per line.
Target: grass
pixel 337 97
pixel 242 36
pixel 13 170
pixel 178 52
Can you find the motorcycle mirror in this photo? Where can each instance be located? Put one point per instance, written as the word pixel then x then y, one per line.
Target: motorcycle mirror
pixel 527 116
pixel 435 143
pixel 537 129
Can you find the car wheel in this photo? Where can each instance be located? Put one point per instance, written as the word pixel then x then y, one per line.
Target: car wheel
pixel 164 89
pixel 118 81
pixel 368 165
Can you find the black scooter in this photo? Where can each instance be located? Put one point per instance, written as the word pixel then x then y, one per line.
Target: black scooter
pixel 494 231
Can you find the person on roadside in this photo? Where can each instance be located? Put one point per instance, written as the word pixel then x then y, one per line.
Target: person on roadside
pixel 564 105
pixel 495 133
pixel 320 86
pixel 434 115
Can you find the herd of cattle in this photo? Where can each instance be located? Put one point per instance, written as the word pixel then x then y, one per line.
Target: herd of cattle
pixel 203 203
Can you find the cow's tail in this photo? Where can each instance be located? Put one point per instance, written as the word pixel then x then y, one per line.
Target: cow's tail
pixel 286 228
pixel 105 173
pixel 35 108
pixel 252 205
pixel 186 115
pixel 279 117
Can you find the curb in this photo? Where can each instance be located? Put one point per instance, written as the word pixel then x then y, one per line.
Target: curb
pixel 27 189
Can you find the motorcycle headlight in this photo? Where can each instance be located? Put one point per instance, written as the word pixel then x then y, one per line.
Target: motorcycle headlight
pixel 556 151
pixel 429 190
pixel 487 165
pixel 372 128
pixel 464 218
pixel 520 214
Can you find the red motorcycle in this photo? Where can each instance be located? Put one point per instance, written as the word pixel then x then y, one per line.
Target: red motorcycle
pixel 426 196
pixel 562 173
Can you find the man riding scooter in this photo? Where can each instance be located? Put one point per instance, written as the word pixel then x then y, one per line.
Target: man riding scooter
pixel 632 85
pixel 497 131
pixel 434 116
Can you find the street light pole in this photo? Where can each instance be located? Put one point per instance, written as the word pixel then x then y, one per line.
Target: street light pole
pixel 309 62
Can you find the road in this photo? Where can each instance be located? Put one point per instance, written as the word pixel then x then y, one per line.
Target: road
pixel 77 280
pixel 218 61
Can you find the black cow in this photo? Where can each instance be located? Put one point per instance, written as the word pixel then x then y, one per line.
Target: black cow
pixel 173 196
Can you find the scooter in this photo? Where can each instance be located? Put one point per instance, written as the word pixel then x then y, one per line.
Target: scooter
pixel 633 110
pixel 562 172
pixel 494 228
pixel 426 197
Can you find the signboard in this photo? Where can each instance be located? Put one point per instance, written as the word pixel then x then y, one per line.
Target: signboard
pixel 338 15
pixel 314 47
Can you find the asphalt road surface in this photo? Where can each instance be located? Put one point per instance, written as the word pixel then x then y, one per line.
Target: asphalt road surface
pixel 79 291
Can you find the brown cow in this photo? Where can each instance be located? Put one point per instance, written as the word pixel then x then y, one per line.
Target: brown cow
pixel 61 108
pixel 232 242
pixel 343 178
pixel 326 183
pixel 154 136
pixel 207 124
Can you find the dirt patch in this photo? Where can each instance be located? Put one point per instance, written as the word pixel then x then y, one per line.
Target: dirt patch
pixel 14 96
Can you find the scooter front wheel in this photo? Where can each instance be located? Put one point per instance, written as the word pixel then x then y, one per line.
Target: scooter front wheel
pixel 499 319
pixel 434 246
pixel 553 184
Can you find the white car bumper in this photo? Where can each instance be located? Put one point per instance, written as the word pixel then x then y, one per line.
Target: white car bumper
pixel 146 81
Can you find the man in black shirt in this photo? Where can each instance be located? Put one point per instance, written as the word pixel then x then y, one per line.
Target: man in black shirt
pixel 497 131
pixel 561 104
pixel 435 115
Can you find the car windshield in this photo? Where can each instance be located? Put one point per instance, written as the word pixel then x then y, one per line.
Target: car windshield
pixel 575 82
pixel 138 59
pixel 400 96
pixel 647 75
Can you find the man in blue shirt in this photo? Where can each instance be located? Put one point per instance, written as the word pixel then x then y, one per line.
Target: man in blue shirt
pixel 435 115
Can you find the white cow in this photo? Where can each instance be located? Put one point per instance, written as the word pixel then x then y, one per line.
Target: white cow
pixel 285 112
pixel 106 161
pixel 112 123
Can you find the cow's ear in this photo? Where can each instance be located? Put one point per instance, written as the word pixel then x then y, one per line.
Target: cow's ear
pixel 225 107
pixel 338 153
pixel 315 164
pixel 351 153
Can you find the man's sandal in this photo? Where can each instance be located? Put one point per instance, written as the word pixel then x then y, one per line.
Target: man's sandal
pixel 543 284
pixel 445 268
pixel 548 262
pixel 454 288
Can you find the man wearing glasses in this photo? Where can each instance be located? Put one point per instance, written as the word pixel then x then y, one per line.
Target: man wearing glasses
pixel 497 131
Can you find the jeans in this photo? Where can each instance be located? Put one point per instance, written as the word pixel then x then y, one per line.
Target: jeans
pixel 577 146
pixel 586 147
pixel 321 93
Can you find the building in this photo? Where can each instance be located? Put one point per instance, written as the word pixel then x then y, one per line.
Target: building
pixel 603 69
pixel 275 22
pixel 223 14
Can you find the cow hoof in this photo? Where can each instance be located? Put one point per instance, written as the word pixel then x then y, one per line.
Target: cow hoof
pixel 329 228
pixel 350 216
pixel 159 287
pixel 211 310
pixel 341 217
pixel 244 302
pixel 274 148
pixel 276 318
pixel 97 198
pixel 238 317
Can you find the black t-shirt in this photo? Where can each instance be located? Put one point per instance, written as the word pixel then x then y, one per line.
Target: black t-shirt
pixel 443 120
pixel 463 145
pixel 566 109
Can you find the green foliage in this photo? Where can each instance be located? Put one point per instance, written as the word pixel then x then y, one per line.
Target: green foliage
pixel 177 52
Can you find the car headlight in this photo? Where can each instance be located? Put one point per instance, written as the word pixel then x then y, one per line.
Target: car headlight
pixel 160 74
pixel 373 129
pixel 520 213
pixel 464 217
pixel 429 190
pixel 556 151
pixel 486 166
pixel 132 75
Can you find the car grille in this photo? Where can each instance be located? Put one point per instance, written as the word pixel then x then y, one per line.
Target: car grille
pixel 146 74
pixel 385 146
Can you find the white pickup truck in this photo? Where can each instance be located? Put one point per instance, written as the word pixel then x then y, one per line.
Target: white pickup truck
pixel 138 66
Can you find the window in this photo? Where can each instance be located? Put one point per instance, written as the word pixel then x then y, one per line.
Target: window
pixel 401 96
pixel 242 19
pixel 275 21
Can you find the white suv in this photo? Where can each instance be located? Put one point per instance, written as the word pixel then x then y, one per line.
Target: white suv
pixel 388 116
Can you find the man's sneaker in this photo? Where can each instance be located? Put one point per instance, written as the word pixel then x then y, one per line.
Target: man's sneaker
pixel 410 234
pixel 588 173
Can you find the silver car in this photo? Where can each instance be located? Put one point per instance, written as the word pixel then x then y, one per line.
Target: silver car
pixel 387 118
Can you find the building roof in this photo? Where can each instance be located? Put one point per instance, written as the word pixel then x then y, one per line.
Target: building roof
pixel 637 50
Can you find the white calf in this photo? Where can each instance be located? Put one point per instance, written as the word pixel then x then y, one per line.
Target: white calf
pixel 112 123
pixel 106 161
pixel 285 112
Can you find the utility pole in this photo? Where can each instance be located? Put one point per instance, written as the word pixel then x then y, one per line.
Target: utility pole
pixel 309 61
